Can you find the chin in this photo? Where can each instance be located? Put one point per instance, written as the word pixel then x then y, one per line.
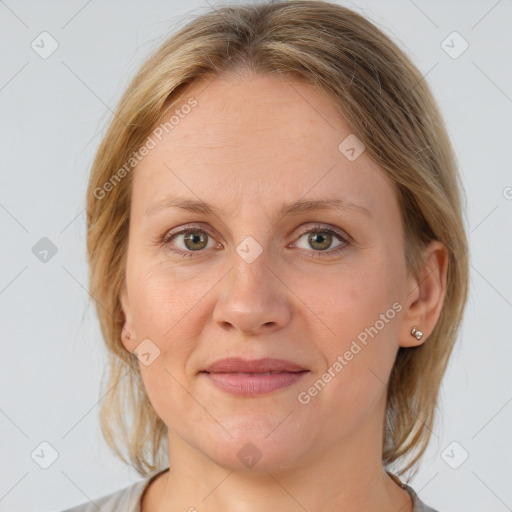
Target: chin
pixel 253 453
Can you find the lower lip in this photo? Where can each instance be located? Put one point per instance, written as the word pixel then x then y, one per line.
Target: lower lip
pixel 253 384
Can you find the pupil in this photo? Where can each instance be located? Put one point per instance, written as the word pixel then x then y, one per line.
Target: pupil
pixel 193 238
pixel 319 239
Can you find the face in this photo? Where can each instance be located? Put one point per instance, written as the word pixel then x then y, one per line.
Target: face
pixel 324 288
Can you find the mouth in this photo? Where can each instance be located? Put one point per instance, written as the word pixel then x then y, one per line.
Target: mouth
pixel 254 384
pixel 253 366
pixel 253 378
pixel 250 373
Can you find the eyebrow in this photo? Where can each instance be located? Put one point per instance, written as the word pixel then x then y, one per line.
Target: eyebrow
pixel 295 208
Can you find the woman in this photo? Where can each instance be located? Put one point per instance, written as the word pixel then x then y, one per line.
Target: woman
pixel 279 261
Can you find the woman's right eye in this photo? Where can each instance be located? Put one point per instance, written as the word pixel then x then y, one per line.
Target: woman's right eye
pixel 190 239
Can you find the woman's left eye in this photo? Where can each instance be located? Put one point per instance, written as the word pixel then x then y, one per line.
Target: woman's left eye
pixel 321 238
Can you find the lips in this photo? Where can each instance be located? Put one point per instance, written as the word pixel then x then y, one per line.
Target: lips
pixel 255 377
pixel 260 366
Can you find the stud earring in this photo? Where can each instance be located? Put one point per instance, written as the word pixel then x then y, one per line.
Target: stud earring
pixel 416 333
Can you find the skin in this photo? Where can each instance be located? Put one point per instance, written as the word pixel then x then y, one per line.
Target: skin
pixel 252 143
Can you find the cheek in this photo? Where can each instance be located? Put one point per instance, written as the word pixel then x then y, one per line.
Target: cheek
pixel 168 309
pixel 162 298
pixel 362 311
pixel 165 312
pixel 357 359
pixel 353 299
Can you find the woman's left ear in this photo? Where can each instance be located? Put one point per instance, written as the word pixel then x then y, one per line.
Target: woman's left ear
pixel 425 297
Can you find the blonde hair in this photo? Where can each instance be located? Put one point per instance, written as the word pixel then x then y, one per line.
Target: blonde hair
pixel 387 104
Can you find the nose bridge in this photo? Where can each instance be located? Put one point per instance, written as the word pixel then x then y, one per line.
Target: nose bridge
pixel 252 298
pixel 251 267
pixel 249 281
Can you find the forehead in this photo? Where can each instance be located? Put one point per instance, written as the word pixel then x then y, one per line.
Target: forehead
pixel 255 136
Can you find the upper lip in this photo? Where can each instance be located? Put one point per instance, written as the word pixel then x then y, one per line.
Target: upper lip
pixel 267 364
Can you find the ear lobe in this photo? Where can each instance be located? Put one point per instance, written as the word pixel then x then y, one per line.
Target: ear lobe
pixel 426 295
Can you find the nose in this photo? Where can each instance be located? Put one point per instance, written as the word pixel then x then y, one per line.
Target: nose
pixel 252 299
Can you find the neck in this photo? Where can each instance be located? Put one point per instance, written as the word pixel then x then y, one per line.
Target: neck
pixel 346 475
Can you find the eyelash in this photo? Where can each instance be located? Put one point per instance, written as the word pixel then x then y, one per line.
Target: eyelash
pixel 315 228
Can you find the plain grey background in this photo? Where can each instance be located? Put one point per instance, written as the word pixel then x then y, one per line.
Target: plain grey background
pixel 53 111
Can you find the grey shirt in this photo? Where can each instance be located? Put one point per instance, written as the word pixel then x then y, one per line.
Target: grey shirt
pixel 129 499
